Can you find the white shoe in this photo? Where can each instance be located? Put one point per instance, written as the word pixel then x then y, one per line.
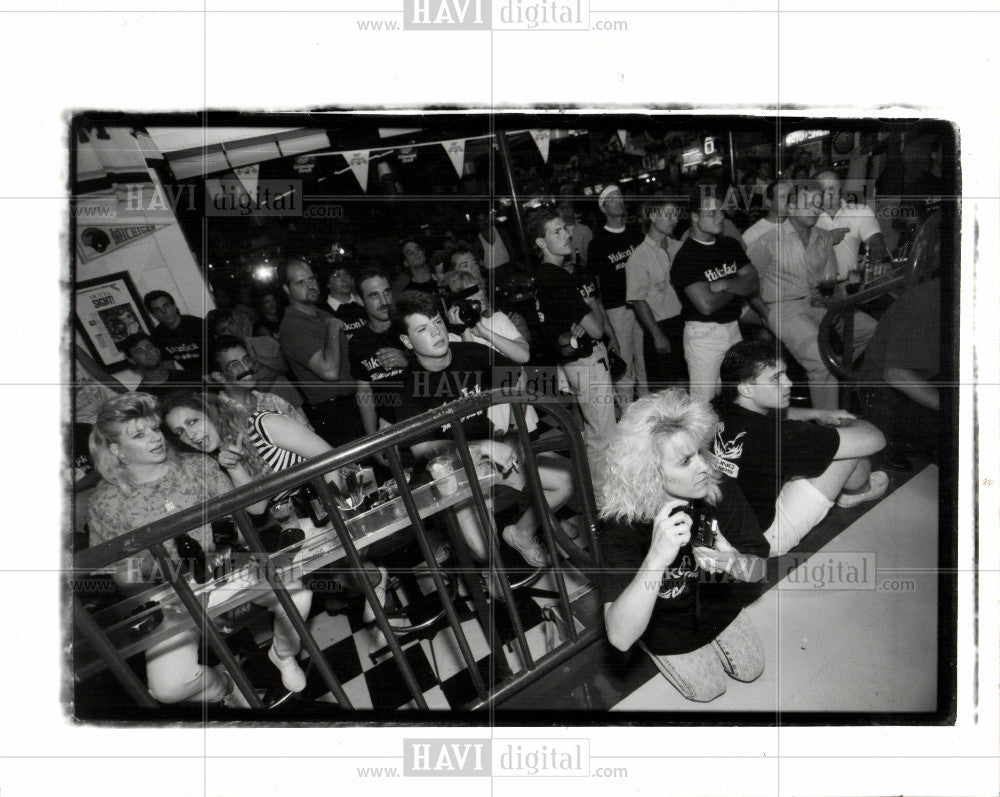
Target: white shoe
pixel 292 675
pixel 878 483
pixel 381 589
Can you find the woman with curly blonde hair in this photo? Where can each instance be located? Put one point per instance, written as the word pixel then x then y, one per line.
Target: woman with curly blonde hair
pixel 678 541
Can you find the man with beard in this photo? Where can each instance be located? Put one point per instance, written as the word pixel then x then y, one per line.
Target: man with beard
pixel 315 346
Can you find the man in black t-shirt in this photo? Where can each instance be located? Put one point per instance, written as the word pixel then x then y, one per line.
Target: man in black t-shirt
pixel 570 333
pixel 713 278
pixel 376 358
pixel 607 255
pixel 343 302
pixel 791 463
pixel 445 372
pixel 178 337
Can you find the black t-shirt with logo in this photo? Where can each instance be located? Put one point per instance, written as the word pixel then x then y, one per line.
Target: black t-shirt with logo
pixel 473 369
pixel 365 367
pixel 353 315
pixel 560 305
pixel 184 344
pixel 763 451
pixel 697 262
pixel 606 258
pixel 693 607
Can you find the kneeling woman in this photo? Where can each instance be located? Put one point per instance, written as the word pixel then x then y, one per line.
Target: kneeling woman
pixel 144 481
pixel 682 597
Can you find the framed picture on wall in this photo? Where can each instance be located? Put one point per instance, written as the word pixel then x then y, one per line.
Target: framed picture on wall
pixel 108 310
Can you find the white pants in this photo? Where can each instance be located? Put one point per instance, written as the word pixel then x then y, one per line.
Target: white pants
pixel 590 381
pixel 628 330
pixel 174 674
pixel 705 344
pixel 796 324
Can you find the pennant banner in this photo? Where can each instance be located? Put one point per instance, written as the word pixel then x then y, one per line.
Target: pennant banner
pixel 456 151
pixel 248 176
pixel 623 136
pixel 358 161
pixel 542 138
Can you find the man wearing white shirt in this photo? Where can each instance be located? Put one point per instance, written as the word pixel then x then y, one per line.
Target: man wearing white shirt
pixel 851 214
pixel 777 197
pixel 654 299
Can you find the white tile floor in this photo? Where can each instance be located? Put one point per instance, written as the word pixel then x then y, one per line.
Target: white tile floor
pixel 841 648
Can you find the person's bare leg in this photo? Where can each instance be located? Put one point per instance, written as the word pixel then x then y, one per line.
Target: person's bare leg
pixel 557 487
pixel 831 481
pixel 858 480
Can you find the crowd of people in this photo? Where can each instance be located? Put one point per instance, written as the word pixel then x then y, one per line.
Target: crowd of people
pixel 669 330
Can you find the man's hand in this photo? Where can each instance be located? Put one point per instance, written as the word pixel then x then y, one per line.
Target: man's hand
pixel 334 324
pixel 500 454
pixel 670 534
pixel 834 417
pixel 718 286
pixel 661 343
pixel 390 358
pixel 837 234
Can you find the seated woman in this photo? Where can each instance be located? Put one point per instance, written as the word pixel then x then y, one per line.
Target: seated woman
pixel 680 595
pixel 144 480
pixel 249 446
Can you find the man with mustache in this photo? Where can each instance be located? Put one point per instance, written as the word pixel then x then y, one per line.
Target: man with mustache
pixel 315 346
pixel 238 372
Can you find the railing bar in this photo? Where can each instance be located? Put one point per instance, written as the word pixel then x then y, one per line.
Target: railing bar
pixel 544 514
pixel 246 527
pixel 176 579
pixel 326 496
pixel 118 666
pixel 489 527
pixel 396 466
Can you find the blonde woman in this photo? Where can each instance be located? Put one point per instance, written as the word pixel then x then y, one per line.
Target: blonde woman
pixel 665 581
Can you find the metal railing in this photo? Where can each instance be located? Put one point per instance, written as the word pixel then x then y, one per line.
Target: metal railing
pixel 151 537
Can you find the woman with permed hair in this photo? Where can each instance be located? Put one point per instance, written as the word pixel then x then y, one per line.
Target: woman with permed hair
pixel 678 544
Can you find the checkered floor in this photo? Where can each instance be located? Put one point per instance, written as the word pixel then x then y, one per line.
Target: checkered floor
pixel 363 664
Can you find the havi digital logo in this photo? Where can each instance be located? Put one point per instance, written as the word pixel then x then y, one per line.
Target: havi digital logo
pixel 442 757
pixel 447 15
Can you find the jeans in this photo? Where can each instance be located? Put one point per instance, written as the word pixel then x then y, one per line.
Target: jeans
pixel 700 675
pixel 705 344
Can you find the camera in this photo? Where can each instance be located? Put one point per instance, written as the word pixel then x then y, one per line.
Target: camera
pixel 703 525
pixel 469 312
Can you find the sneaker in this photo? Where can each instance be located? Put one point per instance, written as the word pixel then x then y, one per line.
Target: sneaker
pixel 534 554
pixel 878 483
pixel 292 675
pixel 381 589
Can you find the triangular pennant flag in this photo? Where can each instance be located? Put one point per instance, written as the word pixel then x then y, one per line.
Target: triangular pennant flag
pixel 542 138
pixel 358 161
pixel 456 151
pixel 623 136
pixel 248 176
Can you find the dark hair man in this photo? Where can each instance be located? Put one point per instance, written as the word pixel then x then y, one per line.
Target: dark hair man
pixel 607 256
pixel 654 299
pixel 375 355
pixel 315 346
pixel 791 463
pixel 445 372
pixel 159 376
pixel 343 301
pixel 236 369
pixel 179 337
pixel 713 278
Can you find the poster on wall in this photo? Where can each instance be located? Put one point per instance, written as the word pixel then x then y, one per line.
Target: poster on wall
pixel 108 310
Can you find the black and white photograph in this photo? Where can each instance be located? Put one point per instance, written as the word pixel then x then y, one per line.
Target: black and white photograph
pixel 503 391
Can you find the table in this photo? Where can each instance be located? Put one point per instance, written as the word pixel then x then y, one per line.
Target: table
pixel 320 547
